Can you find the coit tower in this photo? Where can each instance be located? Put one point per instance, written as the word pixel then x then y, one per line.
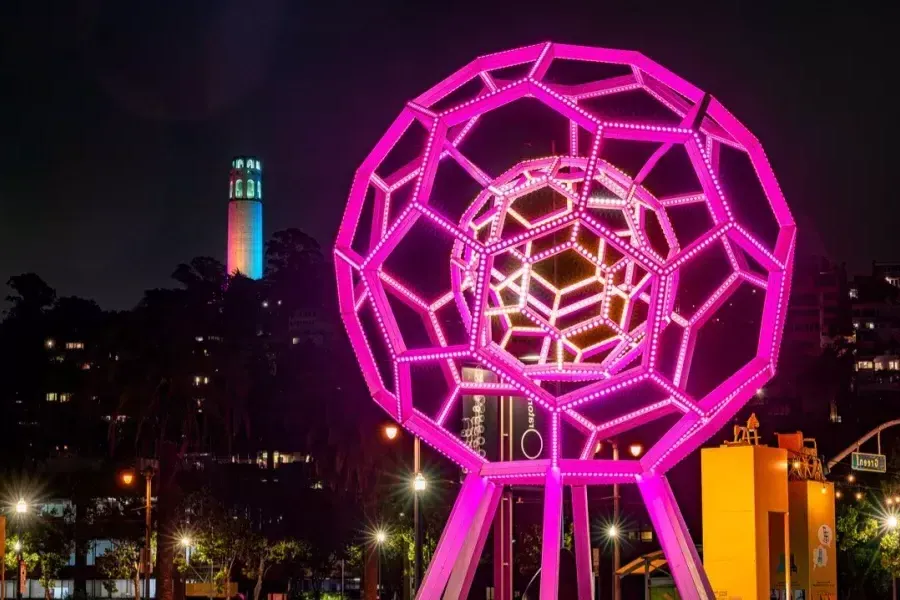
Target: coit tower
pixel 245 223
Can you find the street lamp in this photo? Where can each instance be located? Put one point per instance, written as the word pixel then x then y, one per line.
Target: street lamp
pixel 186 544
pixel 127 478
pixel 20 579
pixel 612 532
pixel 420 484
pixel 21 506
pixel 391 432
pixel 380 539
pixel 635 450
pixel 851 477
pixel 891 522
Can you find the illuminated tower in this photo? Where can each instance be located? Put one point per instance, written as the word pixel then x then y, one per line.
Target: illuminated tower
pixel 245 230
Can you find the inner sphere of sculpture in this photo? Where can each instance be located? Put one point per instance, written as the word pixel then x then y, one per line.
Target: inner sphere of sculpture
pixel 578 228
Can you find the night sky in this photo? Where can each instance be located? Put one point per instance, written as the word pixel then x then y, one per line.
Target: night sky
pixel 120 119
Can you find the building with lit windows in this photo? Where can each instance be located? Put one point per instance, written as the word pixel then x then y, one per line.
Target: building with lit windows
pixel 245 220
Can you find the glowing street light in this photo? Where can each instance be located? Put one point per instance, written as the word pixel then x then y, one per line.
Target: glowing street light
pixel 420 483
pixel 612 531
pixel 851 477
pixel 635 449
pixel 17 546
pixel 391 432
pixel 380 537
pixel 838 494
pixel 891 522
pixel 21 506
pixel 186 541
pixel 126 477
pixel 859 495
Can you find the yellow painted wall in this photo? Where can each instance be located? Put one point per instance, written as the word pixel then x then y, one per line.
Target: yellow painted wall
pixel 812 539
pixel 740 486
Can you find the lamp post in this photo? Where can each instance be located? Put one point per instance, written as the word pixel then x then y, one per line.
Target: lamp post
pixel 419 486
pixel 128 478
pixel 186 544
pixel 148 566
pixel 614 534
pixel 380 539
pixel 20 579
pixel 890 523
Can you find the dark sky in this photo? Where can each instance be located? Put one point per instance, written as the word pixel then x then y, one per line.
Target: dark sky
pixel 120 118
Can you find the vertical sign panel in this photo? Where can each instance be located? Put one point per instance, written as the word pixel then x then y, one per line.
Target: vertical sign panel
pixel 479 427
pixel 528 430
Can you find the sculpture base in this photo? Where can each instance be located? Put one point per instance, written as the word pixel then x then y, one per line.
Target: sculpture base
pixel 450 574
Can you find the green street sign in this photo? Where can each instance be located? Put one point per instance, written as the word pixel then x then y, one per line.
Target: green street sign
pixel 874 463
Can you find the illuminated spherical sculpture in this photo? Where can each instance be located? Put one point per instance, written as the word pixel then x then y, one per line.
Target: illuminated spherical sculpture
pixel 583 230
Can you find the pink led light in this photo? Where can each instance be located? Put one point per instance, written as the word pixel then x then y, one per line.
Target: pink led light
pixel 565 340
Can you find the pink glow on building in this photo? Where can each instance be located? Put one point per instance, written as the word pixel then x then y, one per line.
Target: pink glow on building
pixel 566 278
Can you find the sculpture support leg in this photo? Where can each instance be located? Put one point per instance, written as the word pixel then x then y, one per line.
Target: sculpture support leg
pixel 550 547
pixel 681 554
pixel 503 575
pixel 467 561
pixel 473 491
pixel 582 536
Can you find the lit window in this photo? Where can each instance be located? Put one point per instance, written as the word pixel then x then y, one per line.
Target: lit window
pixel 647 535
pixel 854 293
pixel 866 365
pixel 258 165
pixel 86 367
pixel 295 341
pixel 879 365
pixel 74 345
pixel 251 189
pixel 894 365
pixel 239 189
pixel 231 189
pixel 65 397
pixel 855 325
pixel 259 188
pixel 870 325
pixel 240 163
pixel 52 397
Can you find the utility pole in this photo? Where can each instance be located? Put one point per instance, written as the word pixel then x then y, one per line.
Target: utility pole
pixel 617 587
pixel 148 562
pixel 417 516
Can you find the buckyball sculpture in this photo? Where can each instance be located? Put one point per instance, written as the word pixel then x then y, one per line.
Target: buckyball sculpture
pixel 589 234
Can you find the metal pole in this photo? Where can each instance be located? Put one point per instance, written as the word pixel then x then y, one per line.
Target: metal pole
pixel 19 577
pixel 148 475
pixel 646 579
pixel 417 518
pixel 342 579
pixel 617 587
pixel 378 587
